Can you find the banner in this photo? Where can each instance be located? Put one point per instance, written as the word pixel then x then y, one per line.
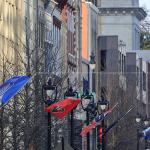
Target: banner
pixel 97 119
pixel 10 88
pixel 62 108
pixel 146 132
pixel 88 128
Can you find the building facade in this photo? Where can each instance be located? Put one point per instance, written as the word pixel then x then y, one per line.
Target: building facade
pixel 123 79
pixel 89 46
pixel 11 34
pixel 122 18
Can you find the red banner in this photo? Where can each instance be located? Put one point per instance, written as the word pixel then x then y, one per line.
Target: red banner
pixel 63 107
pixel 87 129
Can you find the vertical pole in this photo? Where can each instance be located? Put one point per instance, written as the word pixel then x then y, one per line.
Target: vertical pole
pixel 137 139
pixel 62 141
pixel 103 137
pixel 71 129
pixel 146 147
pixel 88 135
pixel 94 139
pixel 49 132
pixel 98 138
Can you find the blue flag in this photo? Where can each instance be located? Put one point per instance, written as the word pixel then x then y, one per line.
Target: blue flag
pixel 147 138
pixel 105 114
pixel 10 88
pixel 146 133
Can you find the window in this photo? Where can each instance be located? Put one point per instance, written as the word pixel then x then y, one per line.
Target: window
pixel 103 60
pixel 124 64
pixel 144 81
pixel 137 76
pixel 103 92
pixel 41 34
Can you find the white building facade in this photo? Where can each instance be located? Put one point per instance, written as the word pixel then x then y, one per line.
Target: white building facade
pixel 122 18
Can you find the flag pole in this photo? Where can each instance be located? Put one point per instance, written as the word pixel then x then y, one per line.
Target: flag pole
pixel 116 121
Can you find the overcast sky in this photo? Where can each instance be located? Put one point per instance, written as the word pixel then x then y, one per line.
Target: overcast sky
pixel 145 3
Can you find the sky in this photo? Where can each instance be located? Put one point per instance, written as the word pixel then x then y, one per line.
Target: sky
pixel 145 3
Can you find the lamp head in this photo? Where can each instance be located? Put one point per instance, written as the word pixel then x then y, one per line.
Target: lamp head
pixel 103 104
pixel 146 121
pixel 138 118
pixel 70 93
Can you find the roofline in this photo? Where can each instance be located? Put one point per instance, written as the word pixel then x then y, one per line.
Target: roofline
pixel 139 12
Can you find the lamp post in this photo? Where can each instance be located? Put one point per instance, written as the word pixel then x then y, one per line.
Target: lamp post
pixel 87 103
pixel 92 62
pixel 103 103
pixel 71 93
pixel 138 120
pixel 92 65
pixel 61 139
pixel 48 100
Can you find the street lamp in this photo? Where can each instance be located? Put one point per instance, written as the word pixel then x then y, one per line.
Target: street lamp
pixel 71 93
pixel 86 99
pixel 92 62
pixel 103 103
pixel 92 65
pixel 61 139
pixel 138 118
pixel 146 122
pixel 50 98
pixel 87 103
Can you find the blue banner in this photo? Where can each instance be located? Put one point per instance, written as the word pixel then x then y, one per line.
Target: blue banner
pixel 11 86
pixel 146 132
pixel 147 138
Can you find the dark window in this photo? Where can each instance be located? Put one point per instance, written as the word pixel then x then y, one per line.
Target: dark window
pixel 137 76
pixel 103 60
pixel 124 64
pixel 41 34
pixel 144 81
pixel 93 82
pixel 103 92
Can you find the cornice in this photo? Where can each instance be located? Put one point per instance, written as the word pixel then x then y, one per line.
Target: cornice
pixel 137 11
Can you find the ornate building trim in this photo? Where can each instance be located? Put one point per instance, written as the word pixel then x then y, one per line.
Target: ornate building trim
pixel 138 12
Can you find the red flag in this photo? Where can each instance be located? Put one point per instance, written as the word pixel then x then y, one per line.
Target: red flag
pixel 63 107
pixel 99 118
pixel 101 135
pixel 88 128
